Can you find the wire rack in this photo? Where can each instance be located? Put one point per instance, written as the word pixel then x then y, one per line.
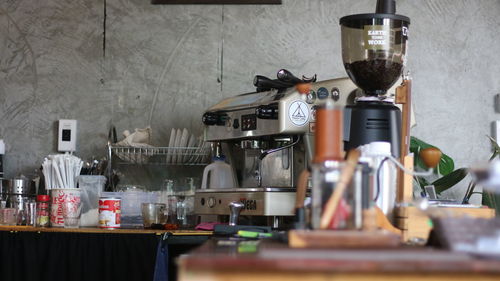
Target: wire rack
pixel 162 155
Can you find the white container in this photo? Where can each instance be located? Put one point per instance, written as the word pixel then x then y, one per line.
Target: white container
pixel 221 175
pixel 384 181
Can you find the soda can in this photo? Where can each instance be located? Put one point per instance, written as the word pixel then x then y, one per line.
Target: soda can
pixel 109 212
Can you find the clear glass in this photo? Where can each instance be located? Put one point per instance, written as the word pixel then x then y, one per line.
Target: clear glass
pixel 374 52
pixel 30 212
pixel 8 216
pixel 325 177
pixel 185 211
pixel 180 202
pixel 153 213
pixel 71 214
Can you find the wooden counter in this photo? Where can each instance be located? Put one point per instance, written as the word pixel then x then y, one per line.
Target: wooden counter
pixel 273 261
pixel 15 228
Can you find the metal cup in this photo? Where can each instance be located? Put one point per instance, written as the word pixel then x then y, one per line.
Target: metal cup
pixel 30 213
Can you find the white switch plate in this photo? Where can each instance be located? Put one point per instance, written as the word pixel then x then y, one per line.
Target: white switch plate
pixel 66 138
pixel 497 103
pixel 495 129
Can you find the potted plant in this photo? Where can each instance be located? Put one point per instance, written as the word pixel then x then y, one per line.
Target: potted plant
pixel 446 176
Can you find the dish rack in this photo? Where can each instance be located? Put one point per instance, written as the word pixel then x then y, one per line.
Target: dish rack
pixel 160 155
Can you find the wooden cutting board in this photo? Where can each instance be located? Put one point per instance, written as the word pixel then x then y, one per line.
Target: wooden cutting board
pixel 343 239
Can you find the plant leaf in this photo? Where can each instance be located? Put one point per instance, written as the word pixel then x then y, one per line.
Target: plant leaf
pixel 496 148
pixel 491 200
pixel 446 164
pixel 450 180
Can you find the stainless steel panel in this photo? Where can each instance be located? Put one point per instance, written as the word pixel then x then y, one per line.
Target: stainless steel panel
pixel 257 203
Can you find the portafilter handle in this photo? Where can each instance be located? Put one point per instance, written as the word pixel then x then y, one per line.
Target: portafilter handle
pixel 235 207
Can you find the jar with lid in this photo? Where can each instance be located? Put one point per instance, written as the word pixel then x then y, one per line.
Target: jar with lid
pixel 42 211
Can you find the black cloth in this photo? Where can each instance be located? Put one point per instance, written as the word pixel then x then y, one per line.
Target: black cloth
pixel 32 256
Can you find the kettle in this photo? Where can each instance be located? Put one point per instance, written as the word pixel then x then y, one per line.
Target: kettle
pixel 218 175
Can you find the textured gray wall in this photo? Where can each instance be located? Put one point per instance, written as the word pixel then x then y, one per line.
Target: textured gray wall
pixel 171 62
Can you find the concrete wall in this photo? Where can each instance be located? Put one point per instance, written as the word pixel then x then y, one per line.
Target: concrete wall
pixel 163 65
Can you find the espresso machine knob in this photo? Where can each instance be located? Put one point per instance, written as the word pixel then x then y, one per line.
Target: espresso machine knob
pixel 213 118
pixel 235 207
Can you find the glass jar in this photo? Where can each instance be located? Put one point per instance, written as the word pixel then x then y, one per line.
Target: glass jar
pixel 325 177
pixel 42 211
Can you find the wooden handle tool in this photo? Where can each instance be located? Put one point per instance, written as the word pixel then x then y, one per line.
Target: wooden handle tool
pixel 301 189
pixel 345 178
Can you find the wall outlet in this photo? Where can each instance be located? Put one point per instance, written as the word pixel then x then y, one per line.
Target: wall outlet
pixel 66 140
pixel 495 129
pixel 497 103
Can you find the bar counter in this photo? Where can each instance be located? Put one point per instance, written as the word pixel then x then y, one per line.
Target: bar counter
pixel 275 261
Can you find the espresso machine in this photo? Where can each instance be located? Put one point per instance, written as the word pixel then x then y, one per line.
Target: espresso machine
pixel 266 138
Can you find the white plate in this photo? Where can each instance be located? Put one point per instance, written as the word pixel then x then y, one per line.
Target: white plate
pixel 193 152
pixel 183 143
pixel 170 144
pixel 189 152
pixel 178 136
pixel 196 157
pixel 205 157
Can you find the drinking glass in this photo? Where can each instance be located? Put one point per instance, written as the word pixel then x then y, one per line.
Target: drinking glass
pixel 71 214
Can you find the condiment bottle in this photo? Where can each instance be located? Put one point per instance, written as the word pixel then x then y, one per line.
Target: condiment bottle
pixel 42 211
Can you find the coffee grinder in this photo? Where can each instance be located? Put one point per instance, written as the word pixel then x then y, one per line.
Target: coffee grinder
pixel 374 50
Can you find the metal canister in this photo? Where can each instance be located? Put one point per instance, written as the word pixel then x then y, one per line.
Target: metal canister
pixel 109 212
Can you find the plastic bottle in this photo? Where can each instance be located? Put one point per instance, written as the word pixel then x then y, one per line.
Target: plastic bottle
pixel 220 173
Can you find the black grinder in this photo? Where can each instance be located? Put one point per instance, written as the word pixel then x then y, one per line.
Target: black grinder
pixel 374 54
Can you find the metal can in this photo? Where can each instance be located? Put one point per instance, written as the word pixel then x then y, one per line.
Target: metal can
pixel 109 212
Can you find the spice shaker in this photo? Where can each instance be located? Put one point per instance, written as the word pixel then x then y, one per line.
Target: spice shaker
pixel 42 211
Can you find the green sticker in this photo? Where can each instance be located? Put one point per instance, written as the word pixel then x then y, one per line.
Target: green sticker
pixel 377 37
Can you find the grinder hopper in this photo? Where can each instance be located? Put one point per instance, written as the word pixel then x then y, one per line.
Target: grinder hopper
pixel 374 48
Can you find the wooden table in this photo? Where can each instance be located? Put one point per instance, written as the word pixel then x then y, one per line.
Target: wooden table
pixel 272 262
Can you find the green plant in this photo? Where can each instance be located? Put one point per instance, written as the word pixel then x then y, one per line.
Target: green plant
pixel 489 199
pixel 445 176
pixel 450 177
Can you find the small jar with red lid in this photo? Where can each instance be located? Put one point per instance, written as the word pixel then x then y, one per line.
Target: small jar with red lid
pixel 42 211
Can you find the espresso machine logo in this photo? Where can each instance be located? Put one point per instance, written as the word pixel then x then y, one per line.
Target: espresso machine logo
pixel 249 204
pixel 298 112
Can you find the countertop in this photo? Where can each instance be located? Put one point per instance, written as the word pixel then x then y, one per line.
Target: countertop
pixel 101 230
pixel 216 256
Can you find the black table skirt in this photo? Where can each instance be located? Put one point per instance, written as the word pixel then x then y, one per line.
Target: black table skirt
pixel 69 256
pixel 29 256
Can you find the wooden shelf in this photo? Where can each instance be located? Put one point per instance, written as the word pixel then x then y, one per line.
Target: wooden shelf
pixel 218 2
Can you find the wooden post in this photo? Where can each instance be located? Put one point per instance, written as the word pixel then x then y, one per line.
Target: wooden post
pixel 403 97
